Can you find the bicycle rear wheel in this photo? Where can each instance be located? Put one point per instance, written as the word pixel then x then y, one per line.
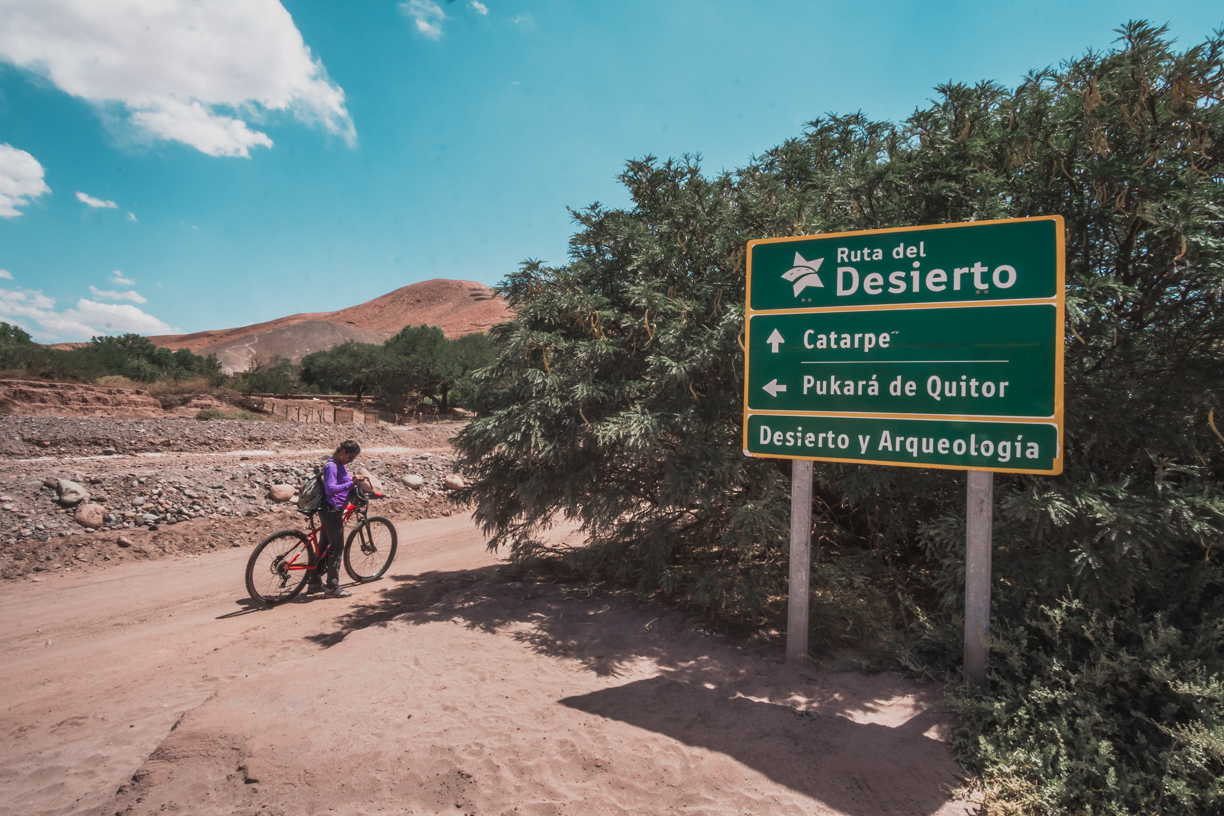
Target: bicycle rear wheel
pixel 268 577
pixel 370 549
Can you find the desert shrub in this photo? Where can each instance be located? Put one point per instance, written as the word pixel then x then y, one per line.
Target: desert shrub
pixel 616 395
pixel 217 413
pixel 1094 713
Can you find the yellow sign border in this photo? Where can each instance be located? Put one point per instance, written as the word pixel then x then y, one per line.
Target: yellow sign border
pixel 1059 300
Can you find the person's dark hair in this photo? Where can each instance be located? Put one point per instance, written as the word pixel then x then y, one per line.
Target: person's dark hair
pixel 348 446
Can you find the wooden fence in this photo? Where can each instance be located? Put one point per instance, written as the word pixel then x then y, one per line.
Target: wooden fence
pixel 318 411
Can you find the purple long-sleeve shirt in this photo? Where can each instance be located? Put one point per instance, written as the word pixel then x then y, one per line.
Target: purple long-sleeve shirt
pixel 336 483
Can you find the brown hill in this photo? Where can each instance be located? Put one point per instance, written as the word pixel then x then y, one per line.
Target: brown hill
pixel 457 307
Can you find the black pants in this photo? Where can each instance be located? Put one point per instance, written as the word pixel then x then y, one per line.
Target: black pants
pixel 332 536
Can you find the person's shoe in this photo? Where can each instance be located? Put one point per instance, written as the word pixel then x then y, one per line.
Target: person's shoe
pixel 337 592
pixel 314 586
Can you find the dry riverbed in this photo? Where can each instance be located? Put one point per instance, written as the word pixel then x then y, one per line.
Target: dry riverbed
pixel 182 486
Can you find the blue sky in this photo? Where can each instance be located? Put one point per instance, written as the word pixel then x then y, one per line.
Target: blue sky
pixel 170 166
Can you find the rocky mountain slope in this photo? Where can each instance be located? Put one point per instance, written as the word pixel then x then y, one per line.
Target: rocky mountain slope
pixel 457 307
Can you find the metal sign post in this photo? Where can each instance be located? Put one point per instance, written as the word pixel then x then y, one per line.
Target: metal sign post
pixel 979 517
pixel 800 561
pixel 936 347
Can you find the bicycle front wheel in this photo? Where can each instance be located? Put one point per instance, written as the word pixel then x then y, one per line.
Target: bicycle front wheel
pixel 370 549
pixel 274 574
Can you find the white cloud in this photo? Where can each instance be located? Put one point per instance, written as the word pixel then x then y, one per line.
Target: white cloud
pixel 182 70
pixel 7 275
pixel 133 296
pixel 131 216
pixel 21 178
pixel 523 20
pixel 193 124
pixel 95 202
pixel 117 277
pixel 478 7
pixel 35 312
pixel 427 15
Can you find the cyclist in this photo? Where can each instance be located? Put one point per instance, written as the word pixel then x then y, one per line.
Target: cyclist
pixel 337 485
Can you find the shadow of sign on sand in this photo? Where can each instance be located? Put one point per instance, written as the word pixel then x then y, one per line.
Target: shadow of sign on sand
pixel 860 744
pixel 803 750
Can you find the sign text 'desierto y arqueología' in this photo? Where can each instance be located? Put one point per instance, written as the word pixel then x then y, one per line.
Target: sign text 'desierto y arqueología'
pixel 953 323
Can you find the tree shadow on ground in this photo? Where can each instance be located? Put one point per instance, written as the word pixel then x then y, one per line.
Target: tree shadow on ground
pixel 841 738
pixel 860 768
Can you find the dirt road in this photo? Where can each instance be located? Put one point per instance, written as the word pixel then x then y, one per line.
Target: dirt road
pixel 97 669
pixel 156 687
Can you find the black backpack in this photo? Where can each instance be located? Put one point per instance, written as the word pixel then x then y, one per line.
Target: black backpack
pixel 310 494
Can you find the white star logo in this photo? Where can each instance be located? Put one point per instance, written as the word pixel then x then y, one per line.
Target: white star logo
pixel 803 273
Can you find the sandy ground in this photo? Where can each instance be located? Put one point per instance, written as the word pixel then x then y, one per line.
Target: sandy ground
pixel 452 686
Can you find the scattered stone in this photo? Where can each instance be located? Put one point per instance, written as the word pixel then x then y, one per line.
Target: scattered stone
pixel 90 515
pixel 70 493
pixel 123 541
pixel 42 443
pixel 281 492
pixel 414 480
pixel 109 451
pixel 453 482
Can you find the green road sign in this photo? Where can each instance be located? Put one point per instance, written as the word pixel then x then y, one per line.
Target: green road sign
pixel 955 331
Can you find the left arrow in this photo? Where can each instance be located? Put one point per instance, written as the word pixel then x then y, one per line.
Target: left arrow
pixel 775 340
pixel 773 388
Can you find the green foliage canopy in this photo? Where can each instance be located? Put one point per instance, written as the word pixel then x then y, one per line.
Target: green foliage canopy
pixel 616 400
pixel 419 361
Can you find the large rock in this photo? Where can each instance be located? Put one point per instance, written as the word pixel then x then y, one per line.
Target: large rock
pixel 70 493
pixel 372 480
pixel 414 480
pixel 453 482
pixel 281 492
pixel 90 515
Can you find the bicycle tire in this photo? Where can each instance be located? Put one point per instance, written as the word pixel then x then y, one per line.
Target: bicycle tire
pixel 376 540
pixel 269 584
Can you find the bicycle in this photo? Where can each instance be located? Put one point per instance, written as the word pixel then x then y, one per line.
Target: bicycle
pixel 280 565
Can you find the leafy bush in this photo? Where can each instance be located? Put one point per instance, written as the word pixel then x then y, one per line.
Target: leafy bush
pixel 616 400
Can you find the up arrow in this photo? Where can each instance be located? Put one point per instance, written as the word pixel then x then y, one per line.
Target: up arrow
pixel 776 340
pixel 773 388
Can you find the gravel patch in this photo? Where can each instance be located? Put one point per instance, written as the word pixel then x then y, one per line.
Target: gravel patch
pixel 184 487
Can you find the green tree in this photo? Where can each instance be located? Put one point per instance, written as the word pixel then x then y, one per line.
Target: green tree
pixel 276 375
pixel 616 400
pixel 347 368
pixel 423 362
pixel 14 335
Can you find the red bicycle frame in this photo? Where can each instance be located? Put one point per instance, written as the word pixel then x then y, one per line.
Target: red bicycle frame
pixel 313 538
